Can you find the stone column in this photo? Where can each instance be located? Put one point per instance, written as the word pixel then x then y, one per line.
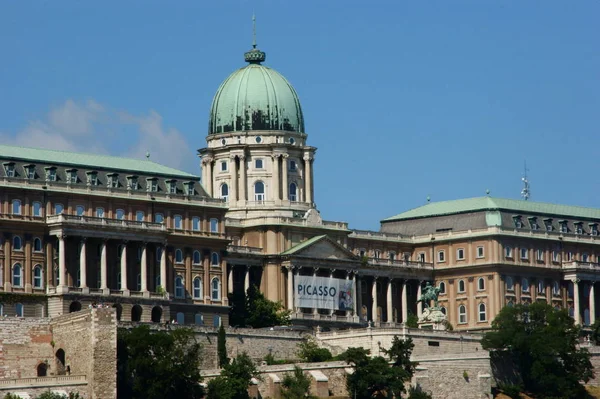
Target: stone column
pixel 420 304
pixel 62 264
pixel 358 297
pixel 290 288
pixel 389 303
pixel 209 182
pixel 276 174
pixel 243 183
pixel 308 179
pixel 354 286
pixel 234 181
pixel 124 287
pixel 83 266
pixel 315 310
pixel 144 269
pixel 230 281
pixel 331 271
pixel 404 301
pixel 163 268
pixel 247 279
pixel 103 268
pixel 592 303
pixel 374 317
pixel 284 177
pixel 576 309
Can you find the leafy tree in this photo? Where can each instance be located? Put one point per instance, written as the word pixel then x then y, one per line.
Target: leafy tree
pixel 158 364
pixel 418 393
pixel 222 347
pixel 412 321
pixel 238 314
pixel 296 385
pixel 234 379
pixel 11 396
pixel 375 376
pixel 309 351
pixel 542 342
pixel 252 309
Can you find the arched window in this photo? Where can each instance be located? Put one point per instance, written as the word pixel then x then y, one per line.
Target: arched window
pixel 481 284
pixel 99 212
pixel 196 223
pixel 19 310
pixel 17 243
pixel 216 289
pixel 178 222
pixel 462 314
pixel 482 315
pixel 444 311
pixel 80 210
pixel 136 313
pixel 17 275
pixel 461 286
pixel 38 278
pixel 224 191
pixel 525 285
pixel 37 209
pixel 156 314
pixel 510 285
pixel 214 259
pixel 37 245
pixel 159 218
pixel 293 192
pixel 196 258
pixel 139 216
pixel 16 207
pixel 178 287
pixel 120 214
pixel 197 288
pixel 180 318
pixel 178 256
pixel 198 319
pixel 442 287
pixel 259 191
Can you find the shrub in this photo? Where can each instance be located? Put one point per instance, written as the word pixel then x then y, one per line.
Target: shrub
pixel 511 390
pixel 418 393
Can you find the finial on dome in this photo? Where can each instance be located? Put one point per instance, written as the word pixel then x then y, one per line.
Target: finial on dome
pixel 254 56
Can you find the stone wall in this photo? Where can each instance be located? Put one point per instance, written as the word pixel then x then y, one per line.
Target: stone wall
pixel 36 386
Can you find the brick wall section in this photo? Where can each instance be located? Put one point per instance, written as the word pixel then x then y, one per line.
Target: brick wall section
pixel 24 343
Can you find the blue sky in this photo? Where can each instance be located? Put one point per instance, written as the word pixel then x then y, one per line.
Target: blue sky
pixel 403 99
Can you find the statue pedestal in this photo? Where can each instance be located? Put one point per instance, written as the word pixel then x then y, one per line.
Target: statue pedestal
pixel 432 319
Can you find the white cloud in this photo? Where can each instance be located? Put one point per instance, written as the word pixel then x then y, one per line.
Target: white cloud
pixel 93 127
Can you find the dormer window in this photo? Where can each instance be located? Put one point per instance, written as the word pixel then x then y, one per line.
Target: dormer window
pixel 594 229
pixel 9 168
pixel 533 223
pixel 72 176
pixel 517 221
pixel 578 228
pixel 50 173
pixel 564 228
pixel 92 178
pixel 548 224
pixel 189 188
pixel 172 186
pixel 152 184
pixel 112 180
pixel 29 171
pixel 132 182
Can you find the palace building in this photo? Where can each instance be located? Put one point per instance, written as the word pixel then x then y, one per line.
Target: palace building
pixel 160 244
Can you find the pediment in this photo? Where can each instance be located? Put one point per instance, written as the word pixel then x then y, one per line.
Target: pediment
pixel 321 247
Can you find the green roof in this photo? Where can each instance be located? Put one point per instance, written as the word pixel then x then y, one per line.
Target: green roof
pixel 90 160
pixel 302 245
pixel 494 204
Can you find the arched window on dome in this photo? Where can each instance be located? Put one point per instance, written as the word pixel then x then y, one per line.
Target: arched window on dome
pixel 224 191
pixel 293 192
pixel 259 191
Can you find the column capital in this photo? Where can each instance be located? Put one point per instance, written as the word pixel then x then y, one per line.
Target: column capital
pixel 275 156
pixel 83 239
pixel 331 271
pixel 285 156
pixel 61 235
pixel 241 157
pixel 207 160
pixel 576 280
pixel 232 157
pixel 307 157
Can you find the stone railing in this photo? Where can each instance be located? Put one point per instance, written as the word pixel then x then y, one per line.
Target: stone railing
pixel 577 265
pixel 244 250
pixel 104 222
pixel 375 235
pixel 400 263
pixel 60 380
pixel 282 220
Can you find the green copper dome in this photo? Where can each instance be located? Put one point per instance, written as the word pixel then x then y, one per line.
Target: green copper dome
pixel 255 98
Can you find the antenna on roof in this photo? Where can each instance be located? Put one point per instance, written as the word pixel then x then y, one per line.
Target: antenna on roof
pixel 526 191
pixel 253 30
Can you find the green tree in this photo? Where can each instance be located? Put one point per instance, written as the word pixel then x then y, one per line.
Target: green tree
pixel 222 347
pixel 412 321
pixel 252 309
pixel 11 396
pixel 542 342
pixel 153 365
pixel 238 314
pixel 418 393
pixel 374 376
pixel 296 385
pixel 234 379
pixel 309 351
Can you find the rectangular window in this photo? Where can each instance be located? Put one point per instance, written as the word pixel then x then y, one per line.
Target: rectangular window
pixel 460 254
pixel 51 174
pixel 540 255
pixel 508 251
pixel 189 188
pixel 421 257
pixel 112 180
pixel 178 222
pixel 99 212
pixel 578 228
pixel 594 229
pixel 441 256
pixel 293 166
pixel 480 252
pixel 172 186
pixel 196 223
pixel 132 182
pixel 214 225
pixel 533 223
pixel 258 163
pixel 92 178
pixel 72 176
pixel 555 256
pixel 152 185
pixel 517 221
pixel 37 209
pixel 548 224
pixel 524 253
pixel 30 171
pixel 223 166
pixel 563 227
pixel 10 169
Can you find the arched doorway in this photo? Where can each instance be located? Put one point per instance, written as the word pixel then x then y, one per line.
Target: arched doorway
pixel 119 309
pixel 60 362
pixel 75 306
pixel 136 313
pixel 156 314
pixel 42 370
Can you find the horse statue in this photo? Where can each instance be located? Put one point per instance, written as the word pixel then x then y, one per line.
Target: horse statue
pixel 430 293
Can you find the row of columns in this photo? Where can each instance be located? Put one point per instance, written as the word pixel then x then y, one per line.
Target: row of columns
pixel 577 304
pixel 390 299
pixel 62 266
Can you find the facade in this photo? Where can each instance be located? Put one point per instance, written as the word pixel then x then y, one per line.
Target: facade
pixel 161 244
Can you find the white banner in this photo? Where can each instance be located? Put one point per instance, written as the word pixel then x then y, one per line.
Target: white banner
pixel 323 293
